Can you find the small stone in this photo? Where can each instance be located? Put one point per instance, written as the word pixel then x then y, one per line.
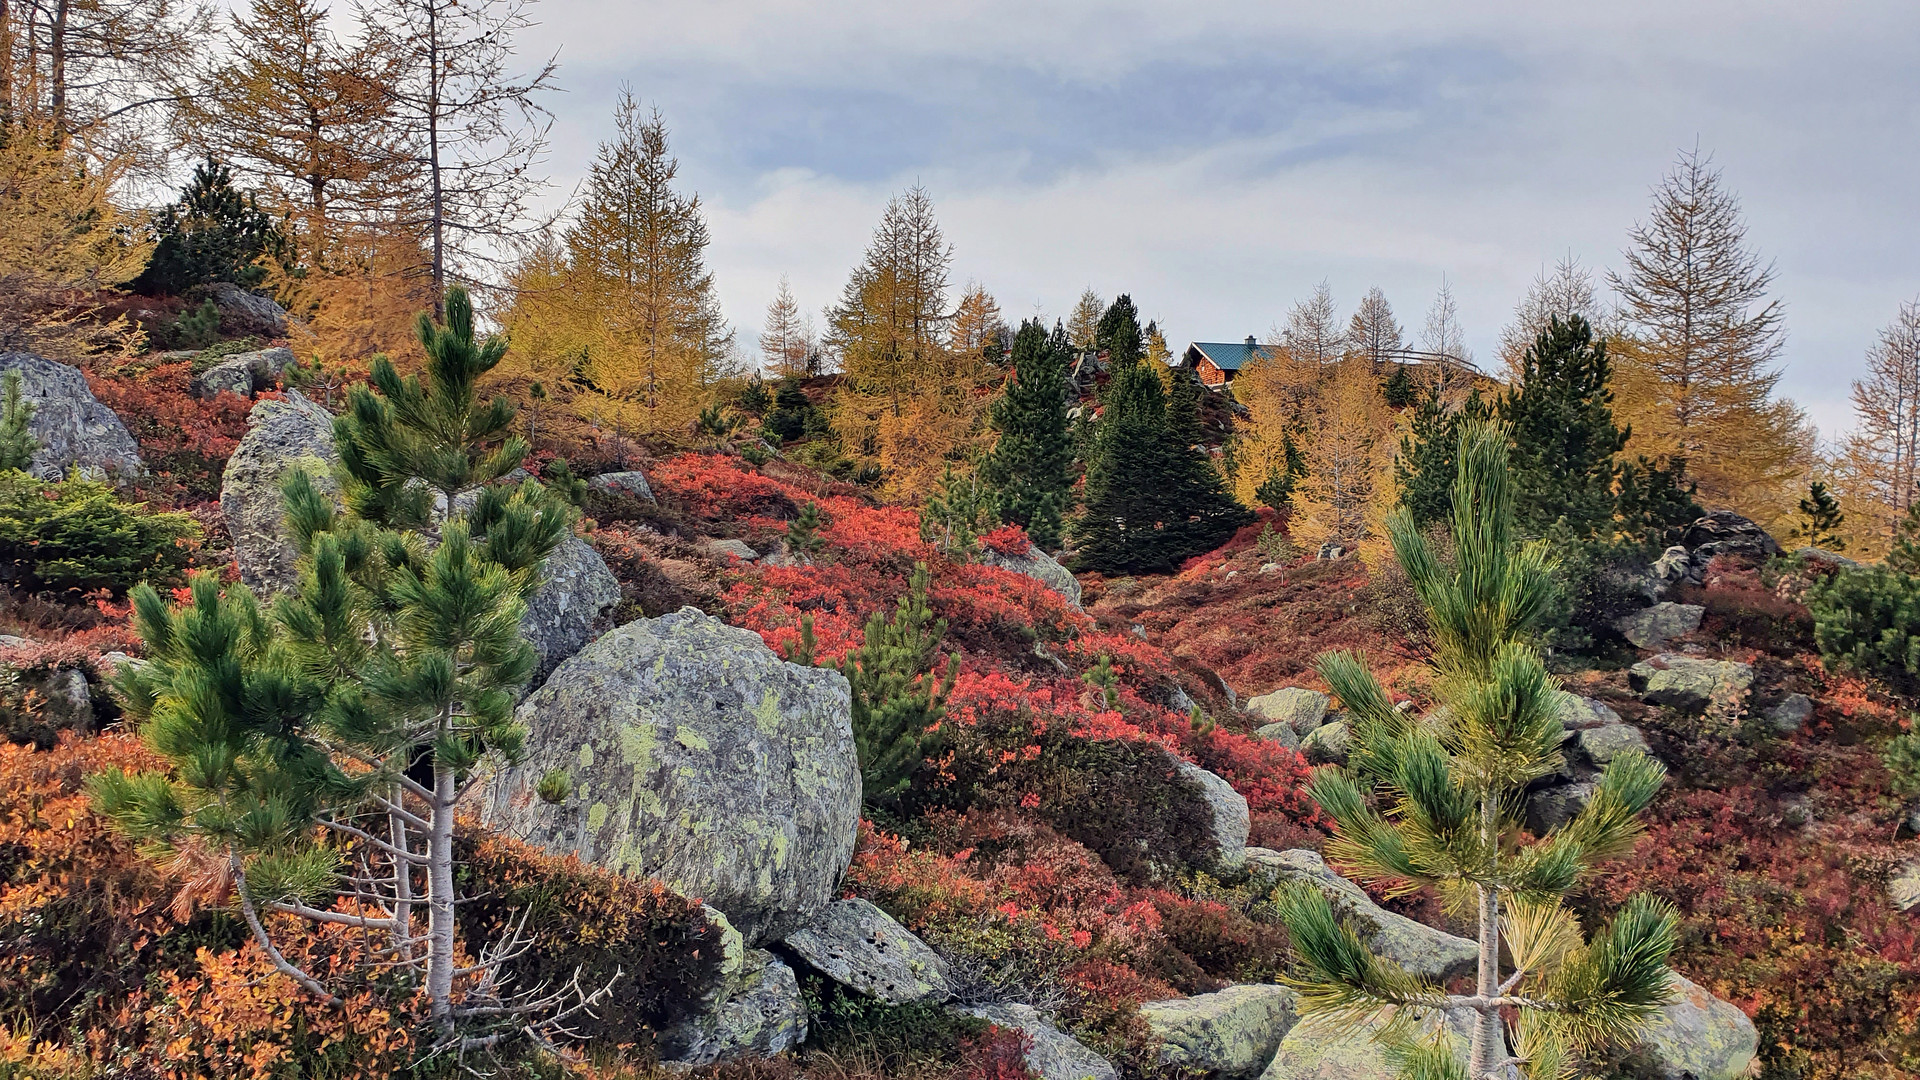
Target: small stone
pixel 1037 565
pixel 1051 1053
pixel 757 1012
pixel 243 312
pixel 1269 567
pixel 737 549
pixel 1821 557
pixel 1904 887
pixel 1651 628
pixel 1578 712
pixel 1674 566
pixel 1331 550
pixel 1280 733
pixel 1791 713
pixel 859 946
pixel 1231 1034
pixel 632 482
pixel 1231 822
pixel 244 374
pixel 1415 946
pixel 1550 808
pixel 1689 683
pixel 1328 744
pixel 1299 708
pixel 1314 1051
pixel 1608 741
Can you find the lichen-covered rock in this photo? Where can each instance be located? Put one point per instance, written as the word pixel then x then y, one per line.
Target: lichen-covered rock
pixel 1578 712
pixel 737 549
pixel 1550 808
pixel 69 423
pixel 1723 532
pixel 573 603
pixel 632 482
pixel 1698 1037
pixel 859 946
pixel 1037 565
pixel 245 374
pixel 755 1010
pixel 1231 822
pixel 1790 713
pixel 1608 741
pixel 1314 1051
pixel 282 436
pixel 1650 628
pixel 65 705
pixel 1280 733
pixel 1415 946
pixel 1328 744
pixel 1904 887
pixel 1689 683
pixel 1051 1053
pixel 696 757
pixel 1232 1034
pixel 1298 708
pixel 243 312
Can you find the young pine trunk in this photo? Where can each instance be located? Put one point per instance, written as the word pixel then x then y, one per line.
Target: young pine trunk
pixel 440 900
pixel 1486 1027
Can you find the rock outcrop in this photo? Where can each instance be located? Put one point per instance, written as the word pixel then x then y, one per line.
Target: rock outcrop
pixel 245 374
pixel 755 1009
pixel 1595 735
pixel 1415 946
pixel 1300 709
pixel 1689 683
pixel 861 947
pixel 282 436
pixel 1037 565
pixel 1232 1034
pixel 1651 628
pixel 1231 822
pixel 1790 713
pixel 1314 1052
pixel 1698 1037
pixel 571 606
pixel 1328 744
pixel 697 757
pixel 69 423
pixel 1721 532
pixel 632 482
pixel 1051 1053
pixel 243 312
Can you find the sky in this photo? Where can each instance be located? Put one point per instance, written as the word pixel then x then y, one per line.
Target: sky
pixel 1217 160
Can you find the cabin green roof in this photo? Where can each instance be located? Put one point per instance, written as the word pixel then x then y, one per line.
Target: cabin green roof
pixel 1228 355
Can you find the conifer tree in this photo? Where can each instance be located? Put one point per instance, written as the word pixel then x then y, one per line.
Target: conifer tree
pixel 1152 501
pixel 1821 518
pixel 17 443
pixel 1277 489
pixel 957 513
pixel 1432 803
pixel 214 232
pixel 1399 389
pixel 368 697
pixel 1425 467
pixel 1030 466
pixel 1119 333
pixel 1083 325
pixel 1560 417
pixel 1373 332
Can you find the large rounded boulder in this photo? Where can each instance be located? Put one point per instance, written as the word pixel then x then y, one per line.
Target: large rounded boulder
pixel 282 436
pixel 682 749
pixel 69 423
pixel 572 605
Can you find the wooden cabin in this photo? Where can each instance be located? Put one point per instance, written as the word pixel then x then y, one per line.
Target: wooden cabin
pixel 1215 363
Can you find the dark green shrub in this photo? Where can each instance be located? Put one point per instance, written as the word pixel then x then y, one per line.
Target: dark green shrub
pixel 195 328
pixel 1868 619
pixel 213 233
pixel 80 535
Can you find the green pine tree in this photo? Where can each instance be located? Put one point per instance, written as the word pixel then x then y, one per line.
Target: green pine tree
pixel 1560 417
pixel 1118 332
pixel 1433 803
pixel 213 233
pixel 1151 500
pixel 803 539
pixel 958 514
pixel 1820 517
pixel 1399 388
pixel 375 689
pixel 1031 466
pixel 17 444
pixel 1653 503
pixel 1424 468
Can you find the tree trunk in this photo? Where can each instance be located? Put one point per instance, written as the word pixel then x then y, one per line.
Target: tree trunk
pixel 402 882
pixel 57 68
pixel 1486 1027
pixel 440 900
pixel 433 160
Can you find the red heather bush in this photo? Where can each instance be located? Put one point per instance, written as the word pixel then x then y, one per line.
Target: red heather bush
pixel 1007 540
pixel 184 440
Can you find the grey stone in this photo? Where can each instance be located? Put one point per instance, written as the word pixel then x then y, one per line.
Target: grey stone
pixel 1231 822
pixel 1328 744
pixel 738 549
pixel 1280 733
pixel 70 425
pixel 632 482
pixel 1299 708
pixel 1037 565
pixel 1330 550
pixel 1608 741
pixel 1231 1034
pixel 1415 946
pixel 1904 887
pixel 698 758
pixel 1550 808
pixel 282 436
pixel 13 641
pixel 755 1010
pixel 1313 1051
pixel 1578 712
pixel 245 374
pixel 109 662
pixel 859 946
pixel 1723 532
pixel 243 312
pixel 1674 566
pixel 1791 713
pixel 1650 628
pixel 570 607
pixel 1689 683
pixel 1814 556
pixel 1698 1037
pixel 1051 1053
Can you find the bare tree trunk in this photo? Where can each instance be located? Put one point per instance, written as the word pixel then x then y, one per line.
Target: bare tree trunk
pixel 433 160
pixel 1486 1028
pixel 57 67
pixel 440 900
pixel 402 883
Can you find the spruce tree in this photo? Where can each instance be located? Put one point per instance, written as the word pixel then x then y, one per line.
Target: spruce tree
pixel 1030 466
pixel 1821 518
pixel 1653 502
pixel 1434 803
pixel 1560 417
pixel 17 443
pixel 371 695
pixel 1399 388
pixel 1119 333
pixel 1425 466
pixel 213 233
pixel 1152 501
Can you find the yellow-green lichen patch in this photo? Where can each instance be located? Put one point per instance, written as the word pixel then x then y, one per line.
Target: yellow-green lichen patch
pixel 597 816
pixel 767 714
pixel 690 738
pixel 586 755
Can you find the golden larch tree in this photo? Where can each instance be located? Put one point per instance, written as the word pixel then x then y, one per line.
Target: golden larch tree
pixel 1879 464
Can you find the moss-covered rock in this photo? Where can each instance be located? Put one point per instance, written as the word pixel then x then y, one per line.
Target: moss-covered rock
pixel 1415 946
pixel 1312 1051
pixel 693 755
pixel 757 1010
pixel 1689 683
pixel 1051 1053
pixel 282 436
pixel 1298 708
pixel 1232 1033
pixel 1698 1037
pixel 1227 809
pixel 861 947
